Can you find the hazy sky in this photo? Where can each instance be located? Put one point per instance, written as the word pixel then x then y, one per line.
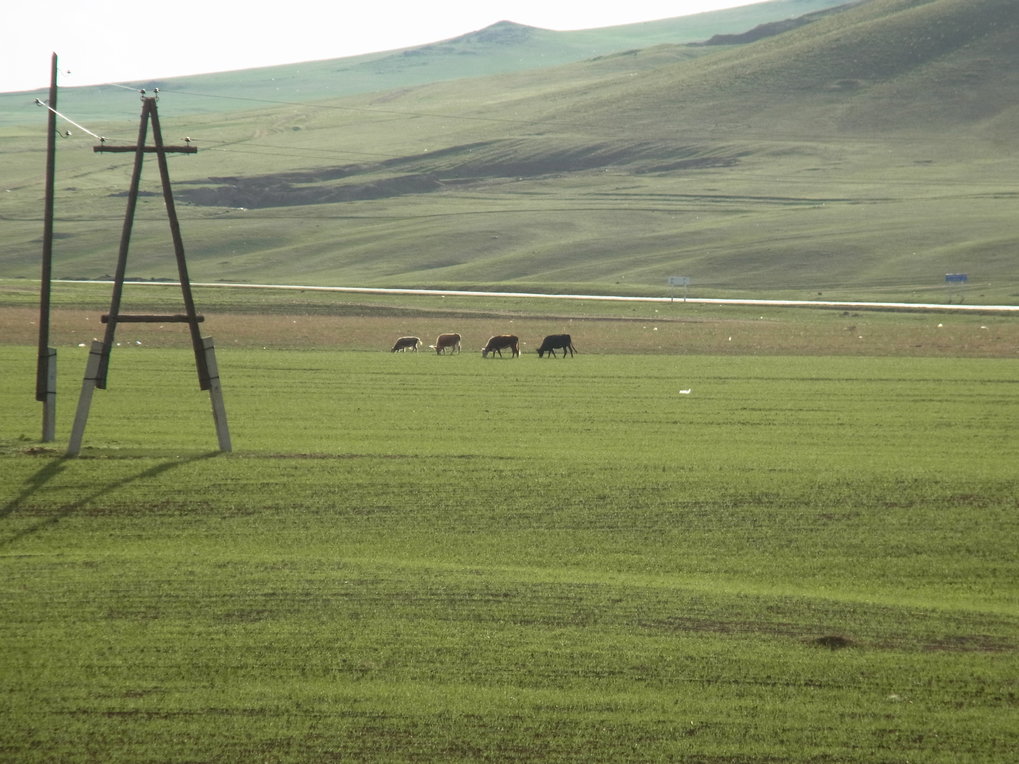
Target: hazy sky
pixel 100 41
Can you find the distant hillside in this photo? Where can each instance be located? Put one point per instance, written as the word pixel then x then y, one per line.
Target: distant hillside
pixel 865 154
pixel 502 48
pixel 896 65
pixel 772 28
pixel 878 68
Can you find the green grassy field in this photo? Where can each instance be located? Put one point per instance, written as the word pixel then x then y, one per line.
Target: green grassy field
pixel 808 557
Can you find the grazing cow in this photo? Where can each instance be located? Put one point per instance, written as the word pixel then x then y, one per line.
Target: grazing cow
pixel 404 344
pixel 500 342
pixel 556 341
pixel 444 341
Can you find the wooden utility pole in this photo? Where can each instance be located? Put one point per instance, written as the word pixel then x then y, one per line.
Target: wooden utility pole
pixel 46 368
pixel 99 360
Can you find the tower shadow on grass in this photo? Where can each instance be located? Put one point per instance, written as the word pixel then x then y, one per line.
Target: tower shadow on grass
pixel 46 474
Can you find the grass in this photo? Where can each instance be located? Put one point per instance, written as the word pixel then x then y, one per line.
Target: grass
pixel 809 557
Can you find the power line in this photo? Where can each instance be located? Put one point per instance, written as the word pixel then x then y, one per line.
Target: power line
pixel 66 118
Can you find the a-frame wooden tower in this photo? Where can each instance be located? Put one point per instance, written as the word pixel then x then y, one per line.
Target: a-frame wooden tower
pixel 99 358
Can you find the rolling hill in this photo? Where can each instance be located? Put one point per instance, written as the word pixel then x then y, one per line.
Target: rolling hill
pixel 866 153
pixel 501 48
pixel 901 66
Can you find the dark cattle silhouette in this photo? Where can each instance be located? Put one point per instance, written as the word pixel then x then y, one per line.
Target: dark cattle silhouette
pixel 500 342
pixel 555 342
pixel 444 341
pixel 406 343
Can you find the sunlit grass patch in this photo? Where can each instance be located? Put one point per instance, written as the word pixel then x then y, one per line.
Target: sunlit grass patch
pixel 421 557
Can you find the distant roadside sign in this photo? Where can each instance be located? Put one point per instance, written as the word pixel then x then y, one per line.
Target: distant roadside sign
pixel 956 278
pixel 679 281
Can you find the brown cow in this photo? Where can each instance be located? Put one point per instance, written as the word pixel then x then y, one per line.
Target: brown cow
pixel 443 341
pixel 406 343
pixel 500 342
pixel 554 341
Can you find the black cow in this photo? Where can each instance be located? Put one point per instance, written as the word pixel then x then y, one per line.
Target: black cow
pixel 556 341
pixel 501 342
pixel 404 344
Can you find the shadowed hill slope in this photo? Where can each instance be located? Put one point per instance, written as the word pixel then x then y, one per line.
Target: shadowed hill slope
pixel 901 65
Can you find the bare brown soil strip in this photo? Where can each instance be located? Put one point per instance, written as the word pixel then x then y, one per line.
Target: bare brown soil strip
pixel 831 334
